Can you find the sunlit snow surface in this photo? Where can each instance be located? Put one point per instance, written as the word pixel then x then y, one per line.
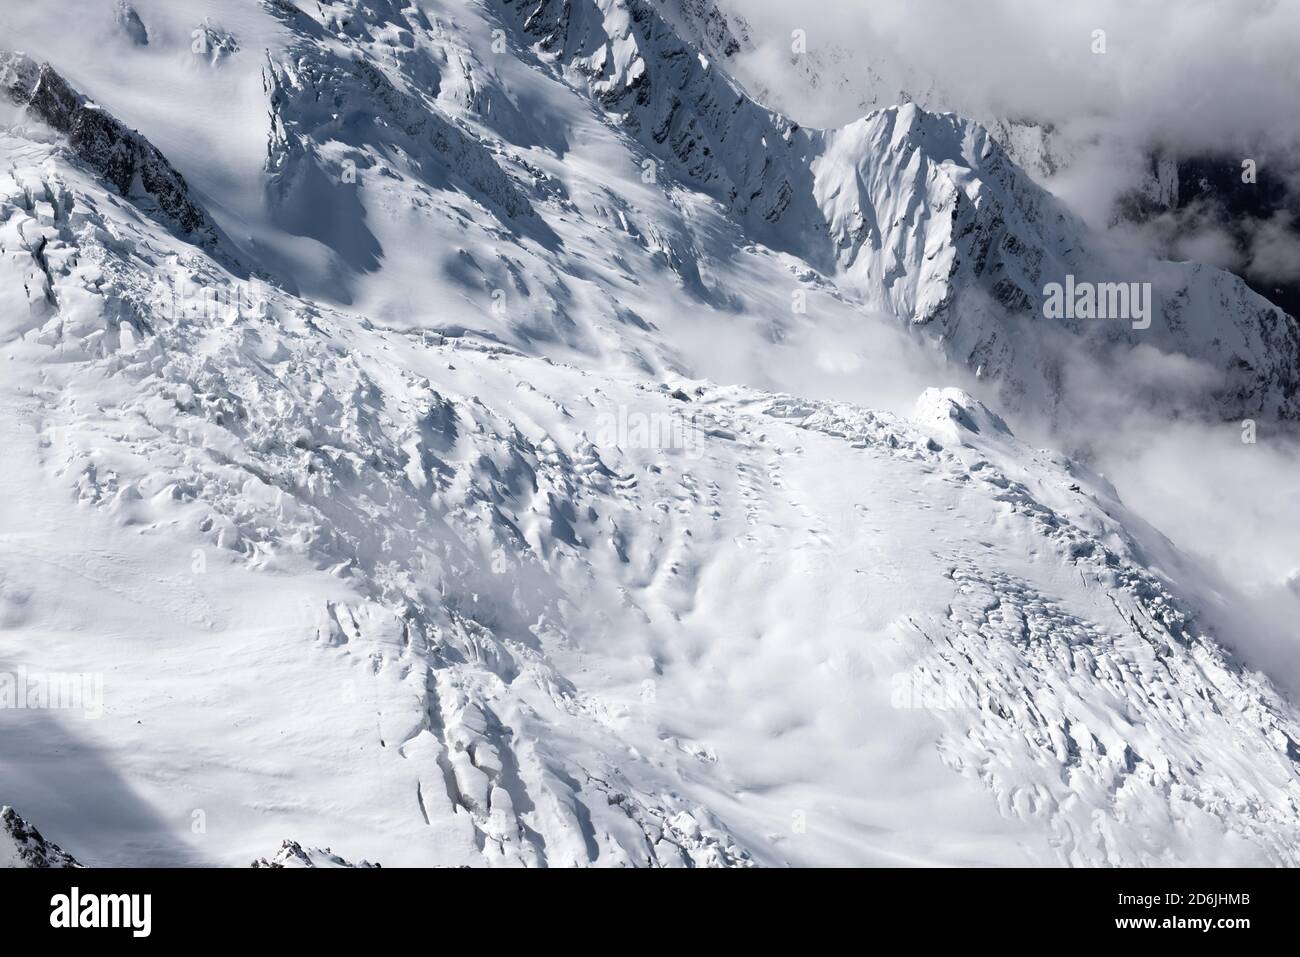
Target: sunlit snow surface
pixel 443 540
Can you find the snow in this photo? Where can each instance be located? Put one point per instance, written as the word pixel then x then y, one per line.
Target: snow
pixel 294 855
pixel 498 508
pixel 21 845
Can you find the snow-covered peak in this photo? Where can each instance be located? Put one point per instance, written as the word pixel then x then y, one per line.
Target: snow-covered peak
pixel 21 845
pixel 919 215
pixel 294 855
pixel 483 527
pixel 954 415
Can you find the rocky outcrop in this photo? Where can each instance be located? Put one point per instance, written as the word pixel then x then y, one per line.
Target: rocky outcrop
pixel 1184 196
pixel 292 854
pixel 130 23
pixel 132 164
pixel 21 845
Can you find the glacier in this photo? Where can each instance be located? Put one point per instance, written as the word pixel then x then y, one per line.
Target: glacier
pixel 319 362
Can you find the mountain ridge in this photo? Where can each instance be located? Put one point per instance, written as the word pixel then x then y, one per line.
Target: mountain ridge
pixel 502 580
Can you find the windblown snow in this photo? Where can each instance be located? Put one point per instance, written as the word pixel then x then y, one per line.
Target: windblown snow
pixel 406 420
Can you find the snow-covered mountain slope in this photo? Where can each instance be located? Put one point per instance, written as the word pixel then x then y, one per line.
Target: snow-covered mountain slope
pixel 457 518
pixel 1185 196
pixel 436 114
pixel 924 216
pixel 825 79
pixel 21 845
pixel 397 591
pixel 294 855
pixel 127 160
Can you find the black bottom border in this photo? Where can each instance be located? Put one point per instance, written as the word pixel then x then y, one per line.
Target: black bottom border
pixel 929 906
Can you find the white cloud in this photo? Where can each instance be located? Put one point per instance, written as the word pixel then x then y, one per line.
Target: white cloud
pixel 1275 249
pixel 1192 74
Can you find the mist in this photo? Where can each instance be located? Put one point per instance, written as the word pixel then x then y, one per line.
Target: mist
pixel 1192 77
pixel 1177 76
pixel 1196 74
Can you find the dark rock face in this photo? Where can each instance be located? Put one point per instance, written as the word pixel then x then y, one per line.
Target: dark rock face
pixel 131 24
pixel 122 156
pixel 1198 193
pixel 21 845
pixel 1215 185
pixel 719 35
pixel 688 113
